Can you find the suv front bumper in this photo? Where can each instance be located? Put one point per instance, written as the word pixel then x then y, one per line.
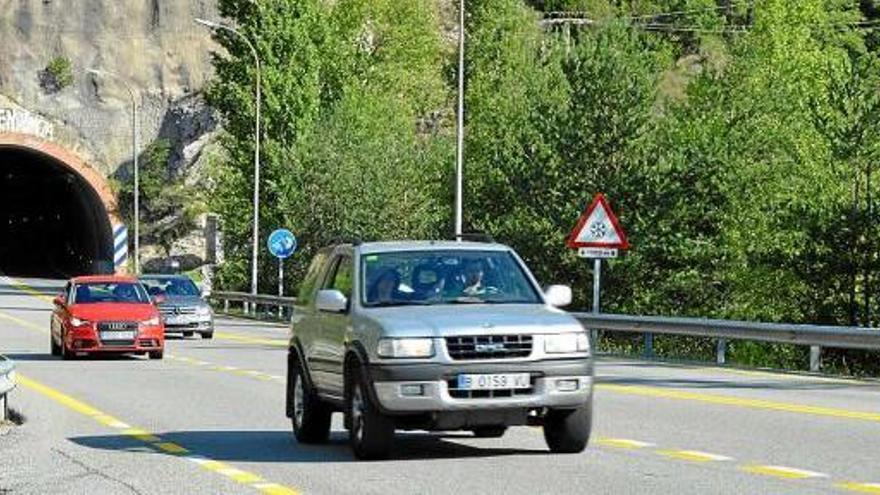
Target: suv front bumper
pixel 552 382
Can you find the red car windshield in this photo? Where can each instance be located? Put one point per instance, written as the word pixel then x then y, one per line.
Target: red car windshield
pixel 110 292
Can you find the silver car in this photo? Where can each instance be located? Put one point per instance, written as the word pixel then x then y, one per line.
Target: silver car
pixel 435 336
pixel 182 305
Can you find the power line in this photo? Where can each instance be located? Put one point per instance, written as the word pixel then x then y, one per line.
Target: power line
pixel 576 14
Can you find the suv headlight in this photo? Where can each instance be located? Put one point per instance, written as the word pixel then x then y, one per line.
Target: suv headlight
pixel 203 311
pixel 78 322
pixel 406 348
pixel 152 322
pixel 566 343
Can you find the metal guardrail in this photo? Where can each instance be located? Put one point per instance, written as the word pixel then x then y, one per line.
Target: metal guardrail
pixel 815 336
pixel 251 303
pixel 7 383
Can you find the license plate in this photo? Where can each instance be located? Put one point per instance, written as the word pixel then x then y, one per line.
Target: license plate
pixel 122 335
pixel 494 381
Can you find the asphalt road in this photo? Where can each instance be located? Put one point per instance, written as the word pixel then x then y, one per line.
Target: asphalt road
pixel 210 419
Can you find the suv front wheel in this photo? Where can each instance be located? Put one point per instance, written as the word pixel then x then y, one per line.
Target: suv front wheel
pixel 568 431
pixel 371 433
pixel 311 417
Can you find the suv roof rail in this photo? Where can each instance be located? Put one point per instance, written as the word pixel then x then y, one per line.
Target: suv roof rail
pixel 476 237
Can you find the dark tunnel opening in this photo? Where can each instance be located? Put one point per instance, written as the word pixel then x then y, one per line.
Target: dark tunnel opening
pixel 52 222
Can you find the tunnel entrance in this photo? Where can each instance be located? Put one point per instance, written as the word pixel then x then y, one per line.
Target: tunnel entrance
pixel 53 222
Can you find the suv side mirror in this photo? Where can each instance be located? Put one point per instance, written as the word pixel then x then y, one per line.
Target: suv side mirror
pixel 331 301
pixel 558 295
pixel 59 300
pixel 158 299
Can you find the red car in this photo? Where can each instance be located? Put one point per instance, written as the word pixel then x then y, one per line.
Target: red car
pixel 106 314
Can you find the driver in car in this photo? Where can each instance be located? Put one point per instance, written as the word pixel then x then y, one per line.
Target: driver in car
pixel 473 276
pixel 386 288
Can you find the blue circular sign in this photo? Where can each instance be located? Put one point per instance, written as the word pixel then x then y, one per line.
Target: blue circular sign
pixel 282 243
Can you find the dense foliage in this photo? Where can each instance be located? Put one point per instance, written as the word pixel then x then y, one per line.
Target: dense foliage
pixel 736 140
pixel 169 207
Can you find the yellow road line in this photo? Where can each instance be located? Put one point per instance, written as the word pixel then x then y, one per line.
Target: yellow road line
pixel 727 400
pixel 873 488
pixel 793 376
pixel 24 323
pixel 693 455
pixel 622 443
pixel 783 472
pixel 155 441
pixel 250 340
pixel 171 448
pixel 30 290
pixel 196 363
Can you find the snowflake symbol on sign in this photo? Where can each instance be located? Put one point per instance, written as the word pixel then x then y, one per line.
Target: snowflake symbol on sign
pixel 598 230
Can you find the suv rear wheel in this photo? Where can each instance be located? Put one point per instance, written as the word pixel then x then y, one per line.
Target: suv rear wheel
pixel 311 417
pixel 568 431
pixel 371 433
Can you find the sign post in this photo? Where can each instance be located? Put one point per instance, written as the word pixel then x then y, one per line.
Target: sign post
pixel 597 235
pixel 282 244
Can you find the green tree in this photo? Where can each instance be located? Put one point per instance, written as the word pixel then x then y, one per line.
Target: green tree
pixel 347 86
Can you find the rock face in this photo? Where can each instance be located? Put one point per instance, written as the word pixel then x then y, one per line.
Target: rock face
pixel 153 45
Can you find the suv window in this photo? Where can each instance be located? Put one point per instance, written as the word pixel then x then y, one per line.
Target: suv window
pixel 445 277
pixel 312 279
pixel 342 278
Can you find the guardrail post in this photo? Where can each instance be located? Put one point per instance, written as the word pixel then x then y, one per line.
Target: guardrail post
pixel 721 351
pixel 226 305
pixel 649 345
pixel 815 358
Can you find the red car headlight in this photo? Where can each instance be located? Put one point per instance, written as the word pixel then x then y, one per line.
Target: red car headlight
pixel 152 322
pixel 79 323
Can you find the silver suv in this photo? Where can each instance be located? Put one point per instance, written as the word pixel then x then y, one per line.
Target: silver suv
pixel 435 336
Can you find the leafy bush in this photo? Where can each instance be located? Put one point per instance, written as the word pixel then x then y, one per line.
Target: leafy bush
pixel 57 75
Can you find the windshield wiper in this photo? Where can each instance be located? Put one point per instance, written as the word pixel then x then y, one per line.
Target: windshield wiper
pixel 386 304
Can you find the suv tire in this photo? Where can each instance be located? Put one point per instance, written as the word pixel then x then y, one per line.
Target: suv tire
pixel 496 431
pixel 207 335
pixel 311 417
pixel 371 433
pixel 567 431
pixel 156 354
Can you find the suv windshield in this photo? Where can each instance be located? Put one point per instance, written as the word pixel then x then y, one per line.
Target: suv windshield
pixel 444 277
pixel 176 286
pixel 112 292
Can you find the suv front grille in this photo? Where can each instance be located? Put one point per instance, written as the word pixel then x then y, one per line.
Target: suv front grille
pixel 489 346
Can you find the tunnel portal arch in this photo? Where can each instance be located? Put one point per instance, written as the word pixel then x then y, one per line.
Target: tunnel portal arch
pixel 57 213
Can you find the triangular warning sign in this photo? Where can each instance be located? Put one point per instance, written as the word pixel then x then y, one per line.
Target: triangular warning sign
pixel 598 228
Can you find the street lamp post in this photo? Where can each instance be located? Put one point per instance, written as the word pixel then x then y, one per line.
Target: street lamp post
pixel 134 159
pixel 256 233
pixel 459 156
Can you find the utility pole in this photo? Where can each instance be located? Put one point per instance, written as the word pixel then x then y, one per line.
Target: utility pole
pixel 256 230
pixel 459 156
pixel 134 160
